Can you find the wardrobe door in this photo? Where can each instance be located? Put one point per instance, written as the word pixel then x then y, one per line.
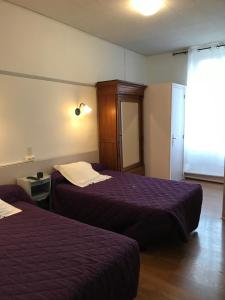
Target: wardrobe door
pixel 130 133
pixel 107 116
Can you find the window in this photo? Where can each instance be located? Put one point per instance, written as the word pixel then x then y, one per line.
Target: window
pixel 205 112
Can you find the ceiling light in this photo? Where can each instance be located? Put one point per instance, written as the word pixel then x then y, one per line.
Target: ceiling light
pixel 147 7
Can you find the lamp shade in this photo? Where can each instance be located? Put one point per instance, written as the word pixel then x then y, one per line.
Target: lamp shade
pixel 86 109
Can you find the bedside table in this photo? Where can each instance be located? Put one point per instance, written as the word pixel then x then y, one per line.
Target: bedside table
pixel 39 190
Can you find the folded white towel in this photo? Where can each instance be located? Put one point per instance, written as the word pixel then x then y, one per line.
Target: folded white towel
pixel 7 209
pixel 80 173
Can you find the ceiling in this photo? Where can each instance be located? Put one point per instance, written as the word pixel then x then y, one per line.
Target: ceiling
pixel 181 23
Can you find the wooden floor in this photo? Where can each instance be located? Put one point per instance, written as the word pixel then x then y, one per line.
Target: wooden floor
pixel 193 270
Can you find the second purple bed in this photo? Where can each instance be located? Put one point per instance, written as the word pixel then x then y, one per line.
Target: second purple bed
pixel 142 208
pixel 44 256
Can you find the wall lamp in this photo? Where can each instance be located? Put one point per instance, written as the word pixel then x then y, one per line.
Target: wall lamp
pixel 82 108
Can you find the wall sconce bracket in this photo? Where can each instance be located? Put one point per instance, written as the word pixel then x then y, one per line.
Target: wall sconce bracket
pixel 82 108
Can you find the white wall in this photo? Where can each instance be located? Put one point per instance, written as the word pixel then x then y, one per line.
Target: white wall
pixel 38 113
pixel 34 44
pixel 136 67
pixel 167 68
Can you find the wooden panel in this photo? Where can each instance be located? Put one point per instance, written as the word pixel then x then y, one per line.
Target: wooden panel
pixel 108 154
pixel 107 117
pixel 130 88
pixel 138 170
pixel 122 87
pixel 107 121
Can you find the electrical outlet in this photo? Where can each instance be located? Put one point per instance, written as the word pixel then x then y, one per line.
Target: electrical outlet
pixel 29 151
pixel 29 155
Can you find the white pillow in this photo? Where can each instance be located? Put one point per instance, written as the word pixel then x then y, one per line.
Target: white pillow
pixel 7 209
pixel 80 173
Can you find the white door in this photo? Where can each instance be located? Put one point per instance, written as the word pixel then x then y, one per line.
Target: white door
pixel 177 132
pixel 223 214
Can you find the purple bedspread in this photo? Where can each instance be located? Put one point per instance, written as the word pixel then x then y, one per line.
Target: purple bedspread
pixel 44 256
pixel 140 207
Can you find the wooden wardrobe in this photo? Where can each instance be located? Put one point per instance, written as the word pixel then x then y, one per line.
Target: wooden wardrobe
pixel 120 121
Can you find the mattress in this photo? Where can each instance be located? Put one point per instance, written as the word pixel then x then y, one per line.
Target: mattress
pixel 143 208
pixel 48 257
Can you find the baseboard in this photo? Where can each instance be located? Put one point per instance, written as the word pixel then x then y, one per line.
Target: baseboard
pixel 216 179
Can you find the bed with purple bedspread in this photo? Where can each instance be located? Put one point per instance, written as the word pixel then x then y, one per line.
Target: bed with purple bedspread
pixel 143 208
pixel 48 257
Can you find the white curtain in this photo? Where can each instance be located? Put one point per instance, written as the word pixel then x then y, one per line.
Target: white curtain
pixel 204 142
